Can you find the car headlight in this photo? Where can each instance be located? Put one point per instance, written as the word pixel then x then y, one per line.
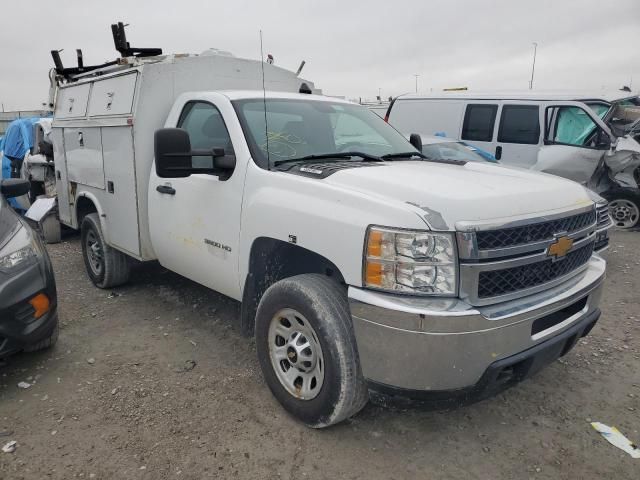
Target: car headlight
pixel 410 261
pixel 22 250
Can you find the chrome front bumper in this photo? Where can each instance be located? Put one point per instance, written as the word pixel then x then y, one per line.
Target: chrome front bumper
pixel 431 344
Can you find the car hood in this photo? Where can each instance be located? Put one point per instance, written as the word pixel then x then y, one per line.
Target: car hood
pixel 445 194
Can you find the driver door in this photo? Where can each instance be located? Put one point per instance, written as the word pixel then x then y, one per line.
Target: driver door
pixel 575 142
pixel 195 221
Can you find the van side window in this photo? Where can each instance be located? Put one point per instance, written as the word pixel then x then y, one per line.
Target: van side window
pixel 205 126
pixel 478 122
pixel 573 127
pixel 519 124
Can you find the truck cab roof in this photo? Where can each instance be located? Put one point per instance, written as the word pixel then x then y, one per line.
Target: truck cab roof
pixel 254 94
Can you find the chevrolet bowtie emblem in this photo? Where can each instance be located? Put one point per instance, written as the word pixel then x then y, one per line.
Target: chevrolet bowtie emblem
pixel 560 247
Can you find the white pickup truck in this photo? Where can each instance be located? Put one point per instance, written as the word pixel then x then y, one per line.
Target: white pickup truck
pixel 364 269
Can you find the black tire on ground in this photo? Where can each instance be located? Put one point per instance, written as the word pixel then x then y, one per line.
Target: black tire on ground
pixel 106 266
pixel 51 229
pixel 323 302
pixel 624 207
pixel 45 343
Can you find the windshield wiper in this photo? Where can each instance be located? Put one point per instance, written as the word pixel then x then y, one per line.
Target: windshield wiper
pixel 389 156
pixel 337 155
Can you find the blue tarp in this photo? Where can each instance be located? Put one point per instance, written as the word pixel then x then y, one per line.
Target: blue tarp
pixel 17 141
pixel 6 164
pixel 18 138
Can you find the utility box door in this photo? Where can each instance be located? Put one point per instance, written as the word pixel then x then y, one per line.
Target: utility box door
pixel 120 200
pixel 83 148
pixel 113 96
pixel 71 102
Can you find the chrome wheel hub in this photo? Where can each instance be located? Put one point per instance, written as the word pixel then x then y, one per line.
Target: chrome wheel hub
pixel 296 355
pixel 624 213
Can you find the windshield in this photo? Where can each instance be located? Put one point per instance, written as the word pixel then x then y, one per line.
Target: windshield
pixel 299 128
pixel 452 151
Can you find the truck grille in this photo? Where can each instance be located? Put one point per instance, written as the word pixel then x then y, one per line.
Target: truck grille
pixel 499 264
pixel 534 232
pixel 494 283
pixel 604 220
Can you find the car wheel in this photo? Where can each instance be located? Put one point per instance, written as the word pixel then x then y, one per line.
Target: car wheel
pixel 45 343
pixel 624 209
pixel 307 350
pixel 106 266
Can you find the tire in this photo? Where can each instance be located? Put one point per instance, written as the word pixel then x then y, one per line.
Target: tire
pixel 317 308
pixel 624 208
pixel 106 266
pixel 51 229
pixel 45 343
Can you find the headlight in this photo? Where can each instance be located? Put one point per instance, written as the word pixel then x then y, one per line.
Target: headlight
pixel 410 261
pixel 21 251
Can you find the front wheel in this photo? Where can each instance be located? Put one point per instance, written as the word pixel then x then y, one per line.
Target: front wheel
pixel 307 350
pixel 106 266
pixel 624 208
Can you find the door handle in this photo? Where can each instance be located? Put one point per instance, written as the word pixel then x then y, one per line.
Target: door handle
pixel 81 139
pixel 498 152
pixel 166 189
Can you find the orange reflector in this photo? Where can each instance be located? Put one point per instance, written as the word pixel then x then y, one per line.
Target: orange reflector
pixel 374 274
pixel 40 303
pixel 374 244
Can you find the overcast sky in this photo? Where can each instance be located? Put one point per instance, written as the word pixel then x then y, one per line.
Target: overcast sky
pixel 352 48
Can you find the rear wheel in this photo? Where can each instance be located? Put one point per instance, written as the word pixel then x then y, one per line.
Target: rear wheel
pixel 307 350
pixel 106 266
pixel 624 209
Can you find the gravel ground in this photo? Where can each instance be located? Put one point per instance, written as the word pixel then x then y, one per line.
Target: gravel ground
pixel 151 381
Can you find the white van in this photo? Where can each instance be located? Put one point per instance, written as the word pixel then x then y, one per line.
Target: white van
pixel 592 139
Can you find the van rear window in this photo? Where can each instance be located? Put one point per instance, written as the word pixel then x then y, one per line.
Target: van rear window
pixel 479 120
pixel 519 124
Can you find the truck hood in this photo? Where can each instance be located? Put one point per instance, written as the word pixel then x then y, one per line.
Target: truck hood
pixel 444 194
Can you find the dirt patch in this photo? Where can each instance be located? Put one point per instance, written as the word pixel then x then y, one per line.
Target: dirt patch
pixel 151 381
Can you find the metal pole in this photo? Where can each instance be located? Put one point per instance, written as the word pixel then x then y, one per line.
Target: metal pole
pixel 533 67
pixel 416 75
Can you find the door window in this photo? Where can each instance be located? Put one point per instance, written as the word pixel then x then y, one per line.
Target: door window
pixel 573 127
pixel 520 124
pixel 205 126
pixel 478 122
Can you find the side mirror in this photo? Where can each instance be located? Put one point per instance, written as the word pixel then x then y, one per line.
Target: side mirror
pixel 416 141
pixel 15 187
pixel 174 157
pixel 172 149
pixel 603 140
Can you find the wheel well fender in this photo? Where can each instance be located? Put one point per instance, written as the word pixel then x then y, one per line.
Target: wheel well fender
pixel 271 260
pixel 86 203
